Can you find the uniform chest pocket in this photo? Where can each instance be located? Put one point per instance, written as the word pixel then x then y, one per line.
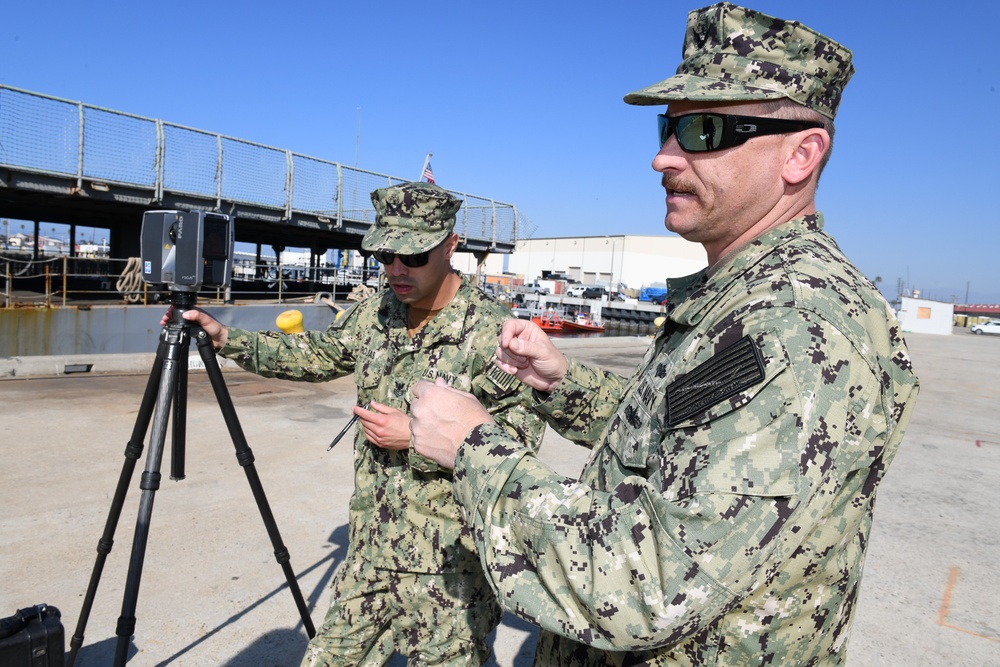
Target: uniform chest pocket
pixel 372 370
pixel 724 381
pixel 634 432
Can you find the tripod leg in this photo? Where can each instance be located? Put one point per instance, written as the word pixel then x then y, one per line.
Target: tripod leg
pixel 245 458
pixel 179 420
pixel 133 450
pixel 176 338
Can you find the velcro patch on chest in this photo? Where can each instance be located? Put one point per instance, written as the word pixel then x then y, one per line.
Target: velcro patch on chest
pixel 723 376
pixel 503 381
pixel 431 374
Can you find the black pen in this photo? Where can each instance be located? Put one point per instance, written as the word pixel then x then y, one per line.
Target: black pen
pixel 347 428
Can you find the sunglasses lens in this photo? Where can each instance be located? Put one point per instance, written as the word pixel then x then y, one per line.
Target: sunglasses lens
pixel 411 261
pixel 696 133
pixel 700 132
pixel 663 125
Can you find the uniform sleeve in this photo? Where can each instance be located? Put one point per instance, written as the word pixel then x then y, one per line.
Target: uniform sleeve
pixel 312 356
pixel 509 403
pixel 686 529
pixel 584 401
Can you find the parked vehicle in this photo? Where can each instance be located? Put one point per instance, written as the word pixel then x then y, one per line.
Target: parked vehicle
pixel 655 295
pixel 991 327
pixel 535 288
pixel 576 290
pixel 593 293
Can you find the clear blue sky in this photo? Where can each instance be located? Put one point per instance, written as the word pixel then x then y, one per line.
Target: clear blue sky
pixel 521 101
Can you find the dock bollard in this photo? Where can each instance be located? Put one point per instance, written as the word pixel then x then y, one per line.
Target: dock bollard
pixel 290 321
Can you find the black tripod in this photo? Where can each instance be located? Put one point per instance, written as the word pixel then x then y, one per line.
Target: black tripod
pixel 168 382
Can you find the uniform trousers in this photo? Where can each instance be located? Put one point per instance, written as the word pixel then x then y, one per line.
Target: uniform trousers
pixel 440 619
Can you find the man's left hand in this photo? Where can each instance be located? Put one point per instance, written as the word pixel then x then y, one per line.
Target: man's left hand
pixel 384 426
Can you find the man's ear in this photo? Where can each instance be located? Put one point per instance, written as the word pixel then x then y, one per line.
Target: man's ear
pixel 451 245
pixel 808 149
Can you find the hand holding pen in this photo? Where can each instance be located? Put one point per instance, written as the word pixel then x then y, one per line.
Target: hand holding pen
pixel 347 428
pixel 385 426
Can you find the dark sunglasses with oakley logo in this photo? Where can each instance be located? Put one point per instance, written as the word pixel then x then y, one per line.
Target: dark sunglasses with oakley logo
pixel 704 132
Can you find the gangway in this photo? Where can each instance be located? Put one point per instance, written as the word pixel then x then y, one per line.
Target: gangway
pixel 68 162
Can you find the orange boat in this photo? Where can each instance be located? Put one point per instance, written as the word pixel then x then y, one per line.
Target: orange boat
pixel 582 323
pixel 550 321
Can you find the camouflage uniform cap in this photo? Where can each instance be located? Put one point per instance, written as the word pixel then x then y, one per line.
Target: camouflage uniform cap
pixel 411 218
pixel 736 54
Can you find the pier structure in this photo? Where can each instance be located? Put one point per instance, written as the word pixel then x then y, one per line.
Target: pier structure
pixel 69 162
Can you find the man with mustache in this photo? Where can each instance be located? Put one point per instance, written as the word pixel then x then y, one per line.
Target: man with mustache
pixel 723 516
pixel 411 581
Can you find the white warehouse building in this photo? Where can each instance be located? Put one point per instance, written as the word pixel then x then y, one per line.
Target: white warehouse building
pixel 632 261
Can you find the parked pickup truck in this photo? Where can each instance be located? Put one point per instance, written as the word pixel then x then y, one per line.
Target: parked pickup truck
pixel 655 295
pixel 535 288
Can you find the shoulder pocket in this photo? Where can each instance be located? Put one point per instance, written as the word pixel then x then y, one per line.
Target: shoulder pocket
pixel 717 410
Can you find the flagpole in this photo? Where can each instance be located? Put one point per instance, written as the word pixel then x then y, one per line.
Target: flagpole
pixel 422 169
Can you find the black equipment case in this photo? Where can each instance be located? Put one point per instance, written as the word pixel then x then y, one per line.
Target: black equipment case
pixel 33 637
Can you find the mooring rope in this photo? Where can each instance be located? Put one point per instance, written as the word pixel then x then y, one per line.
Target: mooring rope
pixel 129 284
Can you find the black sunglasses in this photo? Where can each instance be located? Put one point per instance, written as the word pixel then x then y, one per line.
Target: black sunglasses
pixel 412 261
pixel 704 132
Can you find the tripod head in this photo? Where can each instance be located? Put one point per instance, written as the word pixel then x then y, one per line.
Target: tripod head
pixel 182 301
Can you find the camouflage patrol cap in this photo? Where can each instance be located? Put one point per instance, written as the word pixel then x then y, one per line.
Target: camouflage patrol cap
pixel 736 54
pixel 411 218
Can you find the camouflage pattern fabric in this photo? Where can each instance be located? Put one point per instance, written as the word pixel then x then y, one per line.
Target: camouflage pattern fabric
pixel 723 516
pixel 411 218
pixel 377 610
pixel 403 516
pixel 736 54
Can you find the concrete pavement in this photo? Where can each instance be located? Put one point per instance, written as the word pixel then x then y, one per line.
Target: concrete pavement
pixel 212 594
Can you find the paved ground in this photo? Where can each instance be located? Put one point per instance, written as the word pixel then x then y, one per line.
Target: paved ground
pixel 212 594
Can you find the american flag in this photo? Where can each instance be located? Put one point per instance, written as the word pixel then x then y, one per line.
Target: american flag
pixel 428 173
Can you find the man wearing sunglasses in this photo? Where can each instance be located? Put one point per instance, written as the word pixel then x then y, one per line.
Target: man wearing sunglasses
pixel 411 581
pixel 724 514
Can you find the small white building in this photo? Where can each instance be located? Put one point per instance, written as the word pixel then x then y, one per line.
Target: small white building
pixel 924 316
pixel 631 260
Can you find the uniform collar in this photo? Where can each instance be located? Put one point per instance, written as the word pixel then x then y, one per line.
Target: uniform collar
pixel 448 325
pixel 691 297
